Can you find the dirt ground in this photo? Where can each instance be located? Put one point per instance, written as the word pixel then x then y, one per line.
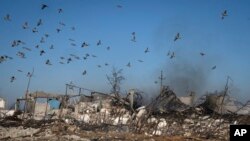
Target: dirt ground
pixel 102 136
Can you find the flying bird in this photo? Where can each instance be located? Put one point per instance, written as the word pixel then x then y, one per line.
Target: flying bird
pixel 34 30
pixel 133 37
pixel 2 59
pixel 25 25
pixel 37 46
pixel 17 43
pixel 177 36
pixel 224 14
pixel 169 53
pixel 61 62
pixel 140 61
pixel 73 28
pixel 99 66
pixel 108 48
pixel 44 6
pixel 29 74
pixel 39 22
pixel 51 47
pixel 69 60
pixel 84 44
pixel 61 23
pixel 46 35
pixel 26 48
pixel 146 50
pixel 7 17
pixel 72 40
pixel 20 54
pixel 128 65
pixel 58 30
pixel 60 10
pixel 48 62
pixel 72 44
pixel 20 42
pixel 12 78
pixel 214 67
pixel 202 54
pixel 172 55
pixel 106 64
pixel 94 56
pixel 84 72
pixel 42 52
pixel 42 40
pixel 8 57
pixel 62 58
pixel 99 43
pixel 118 6
pixel 19 70
pixel 14 43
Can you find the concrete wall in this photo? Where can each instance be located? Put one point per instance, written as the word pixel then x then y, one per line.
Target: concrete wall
pixel 99 96
pixel 188 100
pixel 214 102
pixel 40 108
pixel 2 103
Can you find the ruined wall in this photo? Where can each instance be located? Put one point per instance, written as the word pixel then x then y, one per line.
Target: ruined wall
pixel 40 108
pixel 2 103
pixel 222 105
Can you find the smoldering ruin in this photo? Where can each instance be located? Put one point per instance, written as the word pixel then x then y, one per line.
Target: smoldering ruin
pixel 91 115
pixel 184 76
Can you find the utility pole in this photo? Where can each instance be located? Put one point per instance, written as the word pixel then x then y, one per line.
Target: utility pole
pixel 27 91
pixel 161 79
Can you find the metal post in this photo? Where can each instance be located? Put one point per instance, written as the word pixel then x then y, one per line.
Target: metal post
pixel 26 93
pixel 161 80
pixel 45 114
pixel 35 105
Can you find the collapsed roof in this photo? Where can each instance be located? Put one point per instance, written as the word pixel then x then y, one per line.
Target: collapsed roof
pixel 166 102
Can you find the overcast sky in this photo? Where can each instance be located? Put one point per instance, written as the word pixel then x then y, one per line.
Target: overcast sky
pixel 155 23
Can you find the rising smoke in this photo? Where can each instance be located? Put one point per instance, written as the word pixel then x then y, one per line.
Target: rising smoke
pixel 183 76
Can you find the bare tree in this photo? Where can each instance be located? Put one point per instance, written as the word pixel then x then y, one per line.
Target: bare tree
pixel 115 80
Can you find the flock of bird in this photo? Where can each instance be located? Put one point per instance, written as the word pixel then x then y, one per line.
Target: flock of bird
pixel 63 60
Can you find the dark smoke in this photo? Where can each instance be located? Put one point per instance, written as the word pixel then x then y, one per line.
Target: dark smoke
pixel 183 77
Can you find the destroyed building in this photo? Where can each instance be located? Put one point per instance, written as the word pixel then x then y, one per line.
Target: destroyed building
pixel 225 104
pixel 93 103
pixel 167 101
pixel 166 115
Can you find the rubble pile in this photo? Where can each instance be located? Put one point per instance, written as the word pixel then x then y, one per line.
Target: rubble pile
pixel 105 117
pixel 198 125
pixel 167 101
pixel 27 134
